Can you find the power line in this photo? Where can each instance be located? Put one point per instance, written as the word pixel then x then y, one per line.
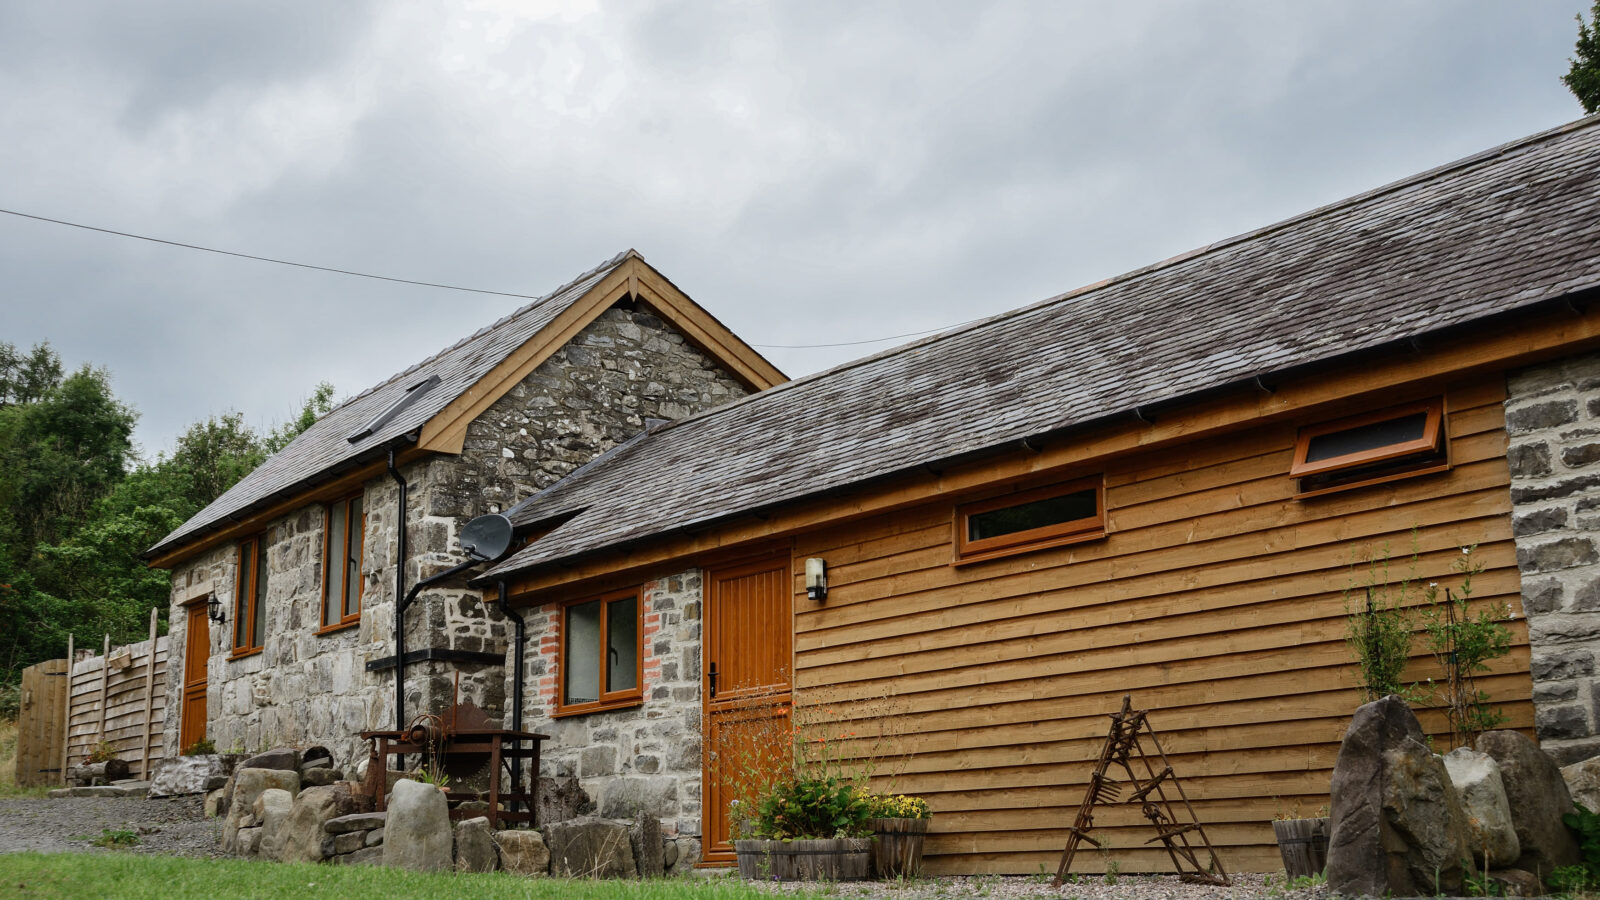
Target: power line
pixel 432 284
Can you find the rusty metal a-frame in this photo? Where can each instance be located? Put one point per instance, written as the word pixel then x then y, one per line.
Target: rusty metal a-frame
pixel 1123 748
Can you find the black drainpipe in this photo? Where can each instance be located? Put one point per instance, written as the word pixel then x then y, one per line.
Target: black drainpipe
pixel 400 599
pixel 516 657
pixel 518 628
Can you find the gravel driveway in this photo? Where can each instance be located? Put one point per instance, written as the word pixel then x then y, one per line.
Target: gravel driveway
pixel 175 827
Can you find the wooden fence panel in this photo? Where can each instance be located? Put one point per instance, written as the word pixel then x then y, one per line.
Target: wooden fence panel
pixel 119 699
pixel 39 732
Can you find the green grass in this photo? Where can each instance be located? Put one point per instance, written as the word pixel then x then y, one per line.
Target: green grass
pixel 125 875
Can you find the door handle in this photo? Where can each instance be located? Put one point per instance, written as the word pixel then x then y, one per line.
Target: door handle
pixel 711 675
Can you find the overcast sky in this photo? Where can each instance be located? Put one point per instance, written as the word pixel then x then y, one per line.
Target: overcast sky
pixel 809 172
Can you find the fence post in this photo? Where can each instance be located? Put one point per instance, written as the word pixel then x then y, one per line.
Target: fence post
pixel 149 695
pixel 105 677
pixel 66 725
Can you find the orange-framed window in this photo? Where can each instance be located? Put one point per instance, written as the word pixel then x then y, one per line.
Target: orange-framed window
pixel 1408 439
pixel 249 596
pixel 601 661
pixel 344 530
pixel 1049 516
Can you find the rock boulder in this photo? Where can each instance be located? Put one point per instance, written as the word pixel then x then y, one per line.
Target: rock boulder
pixel 313 807
pixel 475 850
pixel 590 848
pixel 417 833
pixel 272 810
pixel 186 775
pixel 282 758
pixel 1397 826
pixel 1476 777
pixel 523 852
pixel 247 786
pixel 1583 782
pixel 1538 797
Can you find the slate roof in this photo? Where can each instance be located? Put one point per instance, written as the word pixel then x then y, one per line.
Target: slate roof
pixel 322 450
pixel 1500 230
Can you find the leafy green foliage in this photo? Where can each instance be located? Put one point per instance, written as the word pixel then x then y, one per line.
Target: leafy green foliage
pixel 1464 643
pixel 814 806
pixel 1585 825
pixel 116 838
pixel 1583 77
pixel 77 506
pixel 1378 626
pixel 202 747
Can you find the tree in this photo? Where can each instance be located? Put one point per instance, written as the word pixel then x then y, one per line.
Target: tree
pixel 26 378
pixel 1583 78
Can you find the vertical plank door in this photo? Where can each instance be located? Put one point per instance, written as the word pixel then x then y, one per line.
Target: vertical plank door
pixel 41 723
pixel 196 652
pixel 746 688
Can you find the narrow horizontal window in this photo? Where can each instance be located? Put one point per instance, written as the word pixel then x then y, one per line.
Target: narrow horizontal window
pixel 1043 517
pixel 1372 447
pixel 600 654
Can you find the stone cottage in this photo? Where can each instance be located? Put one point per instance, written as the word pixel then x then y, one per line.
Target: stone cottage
pixel 302 557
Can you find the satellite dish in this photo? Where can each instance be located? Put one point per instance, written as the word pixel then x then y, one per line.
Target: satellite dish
pixel 487 537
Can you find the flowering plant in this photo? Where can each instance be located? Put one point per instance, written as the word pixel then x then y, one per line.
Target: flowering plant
pixel 813 806
pixel 899 806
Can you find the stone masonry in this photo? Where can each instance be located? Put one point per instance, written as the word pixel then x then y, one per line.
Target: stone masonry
pixel 307 688
pixel 1553 428
pixel 643 759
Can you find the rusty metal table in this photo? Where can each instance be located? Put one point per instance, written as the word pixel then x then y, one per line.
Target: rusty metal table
pixel 499 744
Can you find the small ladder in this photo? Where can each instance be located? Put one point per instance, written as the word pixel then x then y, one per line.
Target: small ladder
pixel 1122 747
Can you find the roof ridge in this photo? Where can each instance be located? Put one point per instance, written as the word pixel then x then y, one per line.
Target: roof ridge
pixel 1168 263
pixel 508 317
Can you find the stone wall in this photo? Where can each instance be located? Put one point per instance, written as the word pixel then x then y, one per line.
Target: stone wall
pixel 644 759
pixel 1553 429
pixel 303 688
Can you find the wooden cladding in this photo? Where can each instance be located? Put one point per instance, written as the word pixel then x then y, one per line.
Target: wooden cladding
pixel 249 596
pixel 601 656
pixel 1215 599
pixel 1043 517
pixel 344 531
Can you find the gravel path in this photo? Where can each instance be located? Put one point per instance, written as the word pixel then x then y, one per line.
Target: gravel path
pixel 1127 887
pixel 175 827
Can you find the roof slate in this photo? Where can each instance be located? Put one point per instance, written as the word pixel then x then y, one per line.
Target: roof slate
pixel 323 447
pixel 1500 230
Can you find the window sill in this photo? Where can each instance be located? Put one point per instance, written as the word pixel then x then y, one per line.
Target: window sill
pixel 241 654
pixel 1368 482
pixel 1001 552
pixel 337 627
pixel 607 706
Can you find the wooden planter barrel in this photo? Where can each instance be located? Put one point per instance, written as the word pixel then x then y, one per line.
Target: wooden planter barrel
pixel 1303 844
pixel 834 859
pixel 897 846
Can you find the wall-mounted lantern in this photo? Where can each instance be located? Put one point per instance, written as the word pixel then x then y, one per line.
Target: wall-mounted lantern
pixel 214 610
pixel 817 578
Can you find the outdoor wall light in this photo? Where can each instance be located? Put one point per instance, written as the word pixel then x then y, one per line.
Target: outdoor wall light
pixel 214 610
pixel 817 578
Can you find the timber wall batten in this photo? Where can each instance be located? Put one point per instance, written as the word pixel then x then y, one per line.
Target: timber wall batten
pixel 1216 599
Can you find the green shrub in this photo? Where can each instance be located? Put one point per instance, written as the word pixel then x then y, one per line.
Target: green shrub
pixel 818 806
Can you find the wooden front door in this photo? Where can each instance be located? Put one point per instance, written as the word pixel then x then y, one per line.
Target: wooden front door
pixel 196 653
pixel 748 618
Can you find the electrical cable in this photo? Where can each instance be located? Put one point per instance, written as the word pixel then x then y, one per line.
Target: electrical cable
pixel 432 284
